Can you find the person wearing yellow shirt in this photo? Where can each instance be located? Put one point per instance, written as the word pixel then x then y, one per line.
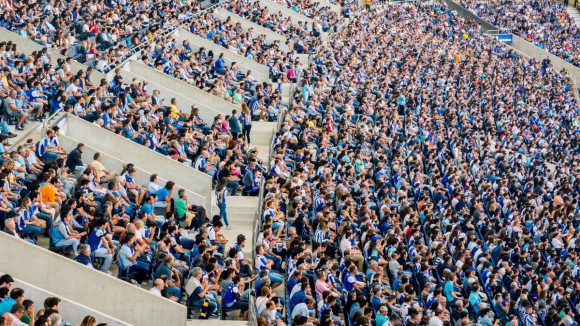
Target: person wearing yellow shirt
pixel 49 192
pixel 175 112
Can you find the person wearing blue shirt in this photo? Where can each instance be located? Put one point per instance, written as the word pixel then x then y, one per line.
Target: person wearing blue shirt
pixel 449 291
pixel 220 65
pixel 100 245
pixel 16 296
pixel 299 296
pixel 46 150
pixel 128 259
pixel 148 208
pixel 291 282
pixel 198 293
pixel 221 191
pixel 233 297
pixel 164 196
pixel 26 222
pixel 382 316
pixel 376 301
pixel 264 264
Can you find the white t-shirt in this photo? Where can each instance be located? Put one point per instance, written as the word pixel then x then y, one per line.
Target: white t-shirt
pixel 345 245
pixel 71 89
pixel 261 304
pixel 211 234
pixel 16 321
pixel 435 321
pixel 152 187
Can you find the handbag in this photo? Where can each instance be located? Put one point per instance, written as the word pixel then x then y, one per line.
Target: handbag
pixel 189 216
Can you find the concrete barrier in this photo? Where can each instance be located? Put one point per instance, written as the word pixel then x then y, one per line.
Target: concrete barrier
pixel 181 87
pixel 27 46
pixel 258 29
pixel 184 102
pixel 519 43
pixel 260 72
pixel 143 158
pixel 115 164
pixel 69 310
pixel 85 286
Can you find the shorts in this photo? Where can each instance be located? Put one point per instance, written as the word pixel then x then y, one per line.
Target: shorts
pixel 17 114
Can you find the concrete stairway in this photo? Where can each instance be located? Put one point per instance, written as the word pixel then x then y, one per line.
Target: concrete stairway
pixel 242 209
pixel 261 137
pixel 574 13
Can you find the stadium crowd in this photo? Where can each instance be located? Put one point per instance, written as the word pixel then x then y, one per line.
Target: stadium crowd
pixel 99 216
pixel 100 34
pixel 424 174
pixel 427 177
pixel 16 310
pixel 546 24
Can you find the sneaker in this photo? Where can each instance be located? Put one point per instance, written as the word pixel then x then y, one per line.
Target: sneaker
pixel 144 282
pixel 108 272
pixel 229 227
pixel 214 315
pixel 253 278
pixel 135 283
pixel 19 127
pixel 37 119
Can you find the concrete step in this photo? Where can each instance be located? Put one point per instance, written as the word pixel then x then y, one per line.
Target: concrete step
pixel 242 201
pixel 575 14
pixel 241 218
pixel 32 130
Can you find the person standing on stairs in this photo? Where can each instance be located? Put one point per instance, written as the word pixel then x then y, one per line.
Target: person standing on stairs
pixel 220 192
pixel 234 123
pixel 246 122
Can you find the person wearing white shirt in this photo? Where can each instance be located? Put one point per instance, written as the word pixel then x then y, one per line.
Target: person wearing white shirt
pixel 153 186
pixel 556 242
pixel 436 319
pixel 157 287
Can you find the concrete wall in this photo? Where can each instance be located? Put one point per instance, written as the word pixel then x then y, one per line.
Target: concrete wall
pixel 143 158
pixel 115 164
pixel 259 71
pixel 85 286
pixel 519 43
pixel 69 310
pixel 181 87
pixel 207 113
pixel 258 30
pixel 27 46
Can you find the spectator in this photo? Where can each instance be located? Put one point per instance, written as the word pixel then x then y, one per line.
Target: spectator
pixel 12 109
pixel 74 161
pixel 221 194
pixel 17 312
pixel 197 290
pixel 89 321
pixel 16 297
